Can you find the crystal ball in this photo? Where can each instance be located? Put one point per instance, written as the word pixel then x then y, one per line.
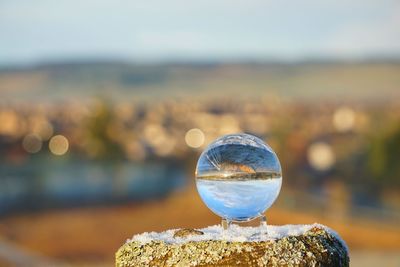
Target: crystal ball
pixel 238 177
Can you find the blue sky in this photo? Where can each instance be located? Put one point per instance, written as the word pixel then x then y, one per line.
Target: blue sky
pixel 31 31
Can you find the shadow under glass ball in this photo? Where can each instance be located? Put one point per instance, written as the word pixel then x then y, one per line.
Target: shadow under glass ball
pixel 238 177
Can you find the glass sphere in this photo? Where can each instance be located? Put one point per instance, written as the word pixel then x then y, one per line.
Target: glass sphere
pixel 238 177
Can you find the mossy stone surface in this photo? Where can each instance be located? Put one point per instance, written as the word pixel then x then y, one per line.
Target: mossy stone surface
pixel 315 247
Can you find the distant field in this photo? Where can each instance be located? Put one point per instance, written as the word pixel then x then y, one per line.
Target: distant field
pixel 308 81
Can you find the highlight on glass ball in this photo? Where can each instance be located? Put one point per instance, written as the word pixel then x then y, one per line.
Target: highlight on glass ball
pixel 238 177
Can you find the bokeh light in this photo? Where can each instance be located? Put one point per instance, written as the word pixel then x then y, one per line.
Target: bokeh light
pixel 43 128
pixel 58 145
pixel 9 123
pixel 343 119
pixel 321 156
pixel 32 143
pixel 194 138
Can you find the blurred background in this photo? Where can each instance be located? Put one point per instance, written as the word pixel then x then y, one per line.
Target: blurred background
pixel 105 107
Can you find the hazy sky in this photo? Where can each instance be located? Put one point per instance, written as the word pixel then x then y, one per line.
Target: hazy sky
pixel 34 30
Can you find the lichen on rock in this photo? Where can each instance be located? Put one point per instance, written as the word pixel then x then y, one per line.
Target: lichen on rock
pixel 315 247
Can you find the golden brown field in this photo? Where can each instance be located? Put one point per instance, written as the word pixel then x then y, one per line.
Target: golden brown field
pixel 92 235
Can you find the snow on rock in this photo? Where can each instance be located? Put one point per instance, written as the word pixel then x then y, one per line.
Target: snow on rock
pixel 234 234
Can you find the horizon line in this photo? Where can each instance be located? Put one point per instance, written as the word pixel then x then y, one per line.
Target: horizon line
pixel 199 61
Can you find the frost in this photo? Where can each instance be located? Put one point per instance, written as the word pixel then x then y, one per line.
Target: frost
pixel 234 234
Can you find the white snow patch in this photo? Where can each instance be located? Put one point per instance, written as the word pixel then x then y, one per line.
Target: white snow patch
pixel 234 234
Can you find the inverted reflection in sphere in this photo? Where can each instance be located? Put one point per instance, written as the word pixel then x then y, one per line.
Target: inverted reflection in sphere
pixel 238 177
